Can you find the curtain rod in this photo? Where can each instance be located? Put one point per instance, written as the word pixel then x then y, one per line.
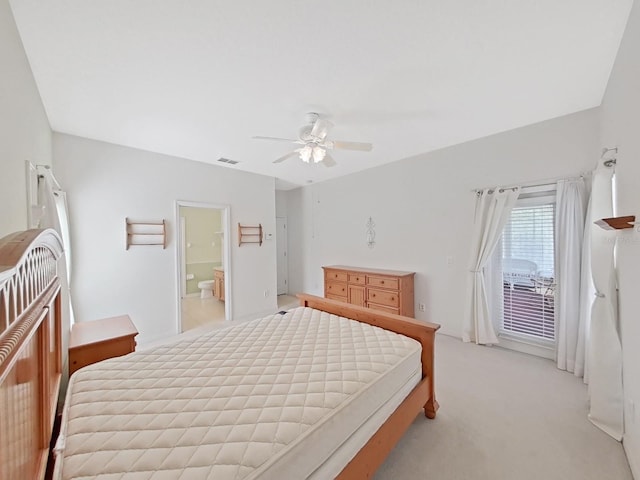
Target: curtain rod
pixel 607 162
pixel 535 183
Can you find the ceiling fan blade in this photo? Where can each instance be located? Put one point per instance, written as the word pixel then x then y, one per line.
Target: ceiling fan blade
pixel 284 157
pixel 277 139
pixel 363 147
pixel 328 161
pixel 321 128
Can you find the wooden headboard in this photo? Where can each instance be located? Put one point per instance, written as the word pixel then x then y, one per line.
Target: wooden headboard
pixel 30 350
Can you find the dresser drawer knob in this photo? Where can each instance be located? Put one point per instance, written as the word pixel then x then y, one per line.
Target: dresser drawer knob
pixel 381 282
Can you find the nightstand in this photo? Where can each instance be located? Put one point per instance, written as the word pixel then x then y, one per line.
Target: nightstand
pixel 98 340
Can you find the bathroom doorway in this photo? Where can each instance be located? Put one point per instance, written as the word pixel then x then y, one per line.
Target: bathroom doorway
pixel 203 273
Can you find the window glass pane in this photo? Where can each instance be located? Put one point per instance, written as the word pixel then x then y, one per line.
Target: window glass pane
pixel 528 271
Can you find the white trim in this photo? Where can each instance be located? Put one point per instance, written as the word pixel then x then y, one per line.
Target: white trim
pixel 545 199
pixel 256 315
pixel 182 264
pixel 33 201
pixel 532 346
pixel 286 287
pixel 226 260
pixel 549 188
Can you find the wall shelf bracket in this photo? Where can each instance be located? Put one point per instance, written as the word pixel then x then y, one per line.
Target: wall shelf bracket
pixel 249 234
pixel 617 223
pixel 146 233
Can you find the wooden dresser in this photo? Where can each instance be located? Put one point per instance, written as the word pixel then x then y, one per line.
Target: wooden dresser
pixel 97 340
pixel 387 290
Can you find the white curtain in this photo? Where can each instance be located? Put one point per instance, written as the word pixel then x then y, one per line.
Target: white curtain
pixel 492 212
pixel 494 284
pixel 569 237
pixel 587 293
pixel 604 348
pixel 56 216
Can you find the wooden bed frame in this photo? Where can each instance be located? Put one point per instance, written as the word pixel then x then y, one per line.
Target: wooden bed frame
pixel 423 396
pixel 30 350
pixel 31 359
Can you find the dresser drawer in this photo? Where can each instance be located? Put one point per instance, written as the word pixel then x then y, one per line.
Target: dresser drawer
pixel 335 297
pixel 383 297
pixel 384 282
pixel 336 288
pixel 81 357
pixel 359 279
pixel 336 276
pixel 382 308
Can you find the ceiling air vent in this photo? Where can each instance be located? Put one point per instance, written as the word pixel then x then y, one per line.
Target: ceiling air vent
pixel 227 160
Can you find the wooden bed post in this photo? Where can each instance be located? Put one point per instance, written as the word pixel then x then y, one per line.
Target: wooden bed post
pixel 428 370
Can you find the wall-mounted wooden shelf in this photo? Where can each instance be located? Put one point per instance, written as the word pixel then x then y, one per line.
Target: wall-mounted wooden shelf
pixel 250 234
pixel 617 223
pixel 146 233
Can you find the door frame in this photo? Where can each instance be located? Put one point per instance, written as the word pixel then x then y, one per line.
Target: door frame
pixel 286 260
pixel 226 256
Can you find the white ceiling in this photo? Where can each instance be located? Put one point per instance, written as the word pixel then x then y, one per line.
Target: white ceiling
pixel 198 78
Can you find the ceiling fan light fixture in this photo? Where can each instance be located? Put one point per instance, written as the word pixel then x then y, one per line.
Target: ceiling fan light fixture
pixel 318 154
pixel 314 144
pixel 305 153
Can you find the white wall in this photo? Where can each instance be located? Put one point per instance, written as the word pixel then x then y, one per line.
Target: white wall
pixel 423 209
pixel 106 183
pixel 620 127
pixel 24 128
pixel 281 203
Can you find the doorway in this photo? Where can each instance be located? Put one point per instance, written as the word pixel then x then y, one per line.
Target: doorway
pixel 203 266
pixel 285 300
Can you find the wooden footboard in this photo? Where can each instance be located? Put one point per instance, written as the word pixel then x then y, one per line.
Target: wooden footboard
pixel 30 350
pixel 423 397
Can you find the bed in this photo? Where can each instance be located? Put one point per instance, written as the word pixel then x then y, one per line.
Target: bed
pixel 325 390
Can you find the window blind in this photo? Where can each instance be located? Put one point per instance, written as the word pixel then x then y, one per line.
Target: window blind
pixel 528 272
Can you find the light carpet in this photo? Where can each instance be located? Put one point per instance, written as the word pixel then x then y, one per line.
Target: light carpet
pixel 504 415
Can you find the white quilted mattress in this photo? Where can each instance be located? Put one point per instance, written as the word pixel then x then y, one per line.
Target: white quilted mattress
pixel 271 398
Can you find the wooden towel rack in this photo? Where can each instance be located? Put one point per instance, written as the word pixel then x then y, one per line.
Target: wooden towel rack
pixel 250 234
pixel 146 233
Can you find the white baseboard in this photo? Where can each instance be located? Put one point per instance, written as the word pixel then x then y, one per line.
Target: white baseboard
pixel 148 341
pixel 255 315
pixel 529 348
pixel 449 332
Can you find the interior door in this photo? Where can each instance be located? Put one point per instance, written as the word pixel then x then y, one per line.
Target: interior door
pixel 281 253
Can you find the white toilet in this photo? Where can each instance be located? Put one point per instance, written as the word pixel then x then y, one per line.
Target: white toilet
pixel 206 288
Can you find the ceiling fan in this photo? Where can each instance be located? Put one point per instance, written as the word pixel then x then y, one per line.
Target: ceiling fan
pixel 314 143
